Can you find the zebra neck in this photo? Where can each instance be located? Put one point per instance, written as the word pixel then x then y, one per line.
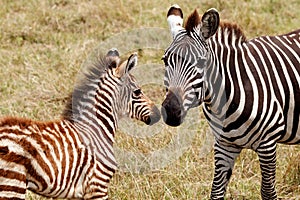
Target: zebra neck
pixel 96 119
pixel 224 47
pixel 98 136
pixel 214 88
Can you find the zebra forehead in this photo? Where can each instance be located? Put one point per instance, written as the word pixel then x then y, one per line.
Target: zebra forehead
pixel 130 81
pixel 185 52
pixel 187 43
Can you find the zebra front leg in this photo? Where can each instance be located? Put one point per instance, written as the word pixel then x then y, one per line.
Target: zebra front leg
pixel 267 160
pixel 224 162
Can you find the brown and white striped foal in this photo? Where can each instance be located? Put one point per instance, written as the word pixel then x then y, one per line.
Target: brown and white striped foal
pixel 73 157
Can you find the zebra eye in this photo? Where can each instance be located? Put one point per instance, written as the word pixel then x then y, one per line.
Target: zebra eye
pixel 137 92
pixel 197 85
pixel 201 61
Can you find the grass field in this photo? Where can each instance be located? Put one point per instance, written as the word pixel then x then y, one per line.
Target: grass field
pixel 44 43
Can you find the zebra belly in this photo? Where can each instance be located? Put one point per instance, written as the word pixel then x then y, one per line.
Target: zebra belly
pixel 292 135
pixel 68 177
pixel 63 189
pixel 242 137
pixel 251 140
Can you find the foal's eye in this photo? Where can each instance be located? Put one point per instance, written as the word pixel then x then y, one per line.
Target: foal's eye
pixel 165 60
pixel 137 92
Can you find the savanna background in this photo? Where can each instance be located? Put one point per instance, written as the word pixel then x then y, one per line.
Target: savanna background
pixel 44 43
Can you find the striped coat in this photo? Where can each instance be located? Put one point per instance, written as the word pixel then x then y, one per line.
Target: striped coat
pixel 249 89
pixel 50 159
pixel 73 157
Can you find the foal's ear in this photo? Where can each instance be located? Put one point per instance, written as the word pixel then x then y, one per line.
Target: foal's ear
pixel 175 19
pixel 113 58
pixel 209 23
pixel 126 66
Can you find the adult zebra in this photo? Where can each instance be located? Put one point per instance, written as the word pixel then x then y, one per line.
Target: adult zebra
pixel 73 157
pixel 249 90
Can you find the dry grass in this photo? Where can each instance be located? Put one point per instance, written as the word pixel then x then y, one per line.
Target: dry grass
pixel 43 44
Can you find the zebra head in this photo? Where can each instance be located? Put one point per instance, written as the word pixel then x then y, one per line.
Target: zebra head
pixel 132 101
pixel 186 60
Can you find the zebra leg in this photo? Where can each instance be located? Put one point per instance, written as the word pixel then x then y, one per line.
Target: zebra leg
pixel 267 160
pixel 224 162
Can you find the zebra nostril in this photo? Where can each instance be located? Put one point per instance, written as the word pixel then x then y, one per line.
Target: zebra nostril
pixel 147 120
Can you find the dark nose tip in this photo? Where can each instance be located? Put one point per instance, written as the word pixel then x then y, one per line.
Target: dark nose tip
pixel 169 119
pixel 154 117
pixel 172 111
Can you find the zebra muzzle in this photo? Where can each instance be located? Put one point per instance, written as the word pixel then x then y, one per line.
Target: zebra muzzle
pixel 172 110
pixel 153 117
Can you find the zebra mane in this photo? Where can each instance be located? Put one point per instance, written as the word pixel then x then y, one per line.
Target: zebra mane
pixel 87 81
pixel 233 30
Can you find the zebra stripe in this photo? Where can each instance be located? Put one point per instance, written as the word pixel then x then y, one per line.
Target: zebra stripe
pixel 73 157
pixel 250 91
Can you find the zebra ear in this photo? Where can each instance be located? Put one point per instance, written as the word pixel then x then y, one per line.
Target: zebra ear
pixel 113 52
pixel 209 23
pixel 175 19
pixel 131 62
pixel 126 66
pixel 113 58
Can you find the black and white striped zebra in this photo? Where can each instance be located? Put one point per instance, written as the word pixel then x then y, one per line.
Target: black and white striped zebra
pixel 250 90
pixel 73 157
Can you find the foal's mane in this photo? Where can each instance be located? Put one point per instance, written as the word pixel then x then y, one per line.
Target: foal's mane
pixel 91 72
pixel 89 77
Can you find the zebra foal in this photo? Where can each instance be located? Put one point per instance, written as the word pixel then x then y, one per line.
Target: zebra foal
pixel 250 90
pixel 73 157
